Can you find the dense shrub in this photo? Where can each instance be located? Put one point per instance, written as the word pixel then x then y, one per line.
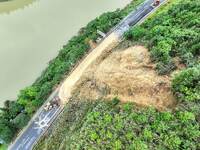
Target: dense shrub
pixel 186 84
pixel 103 125
pixel 7 130
pixel 21 120
pixel 135 33
pixel 171 33
pixel 121 128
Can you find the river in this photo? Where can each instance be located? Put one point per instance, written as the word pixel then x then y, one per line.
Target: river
pixel 31 36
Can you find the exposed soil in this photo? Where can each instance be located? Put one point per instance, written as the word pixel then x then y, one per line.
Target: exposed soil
pixel 105 46
pixel 129 75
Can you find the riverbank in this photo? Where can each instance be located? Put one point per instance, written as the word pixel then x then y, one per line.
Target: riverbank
pixel 4 1
pixel 32 36
pixel 11 5
pixel 17 114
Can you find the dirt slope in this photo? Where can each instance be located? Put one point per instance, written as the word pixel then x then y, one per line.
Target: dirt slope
pixel 65 91
pixel 129 75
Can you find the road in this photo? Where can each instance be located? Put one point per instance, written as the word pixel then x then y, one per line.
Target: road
pixel 137 16
pixel 43 119
pixel 37 126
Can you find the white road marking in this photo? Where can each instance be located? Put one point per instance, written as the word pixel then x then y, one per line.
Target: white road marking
pixel 25 140
pixel 30 142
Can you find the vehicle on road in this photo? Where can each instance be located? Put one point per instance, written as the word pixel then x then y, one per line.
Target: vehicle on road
pixel 54 103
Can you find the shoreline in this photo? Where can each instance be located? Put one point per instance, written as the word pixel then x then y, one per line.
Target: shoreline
pixel 31 26
pixel 7 6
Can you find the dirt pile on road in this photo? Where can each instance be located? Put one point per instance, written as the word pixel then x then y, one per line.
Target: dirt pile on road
pixel 129 75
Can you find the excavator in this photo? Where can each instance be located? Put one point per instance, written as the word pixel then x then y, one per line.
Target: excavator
pixel 54 103
pixel 156 2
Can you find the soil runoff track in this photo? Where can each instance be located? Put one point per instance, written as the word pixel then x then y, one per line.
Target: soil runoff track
pixel 41 121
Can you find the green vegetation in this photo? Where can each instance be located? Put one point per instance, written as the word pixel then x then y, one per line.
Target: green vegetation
pixel 170 34
pixel 3 147
pixel 186 84
pixel 108 125
pixel 173 34
pixel 4 0
pixel 15 115
pixel 68 123
pixel 126 127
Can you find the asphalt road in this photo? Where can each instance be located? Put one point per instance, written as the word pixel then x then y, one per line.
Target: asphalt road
pixel 136 16
pixel 33 132
pixel 37 127
pixel 28 138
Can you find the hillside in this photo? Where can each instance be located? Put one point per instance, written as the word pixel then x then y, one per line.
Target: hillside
pixel 143 94
pixel 129 75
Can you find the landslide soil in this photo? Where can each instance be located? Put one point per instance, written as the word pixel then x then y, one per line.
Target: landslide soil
pixel 129 75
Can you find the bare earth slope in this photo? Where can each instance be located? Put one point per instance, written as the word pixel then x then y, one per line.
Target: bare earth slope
pixel 129 75
pixel 107 45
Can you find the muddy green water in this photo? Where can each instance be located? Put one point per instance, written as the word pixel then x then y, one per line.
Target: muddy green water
pixel 32 35
pixel 10 5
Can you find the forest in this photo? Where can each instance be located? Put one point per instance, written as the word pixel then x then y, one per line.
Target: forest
pixel 171 35
pixel 16 114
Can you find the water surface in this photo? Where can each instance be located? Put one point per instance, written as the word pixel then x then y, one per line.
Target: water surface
pixel 31 36
pixel 11 5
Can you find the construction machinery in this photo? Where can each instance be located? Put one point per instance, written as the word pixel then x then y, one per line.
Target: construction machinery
pixel 156 2
pixel 54 103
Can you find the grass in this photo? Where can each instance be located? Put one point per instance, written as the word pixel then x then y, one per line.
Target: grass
pixel 3 147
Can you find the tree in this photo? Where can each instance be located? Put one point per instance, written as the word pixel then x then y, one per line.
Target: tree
pixel 11 109
pixel 21 120
pixel 6 130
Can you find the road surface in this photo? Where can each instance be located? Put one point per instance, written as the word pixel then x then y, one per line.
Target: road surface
pixel 43 119
pixel 36 128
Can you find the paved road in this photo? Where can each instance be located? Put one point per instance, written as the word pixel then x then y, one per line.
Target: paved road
pixel 43 119
pixel 37 127
pixel 136 16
